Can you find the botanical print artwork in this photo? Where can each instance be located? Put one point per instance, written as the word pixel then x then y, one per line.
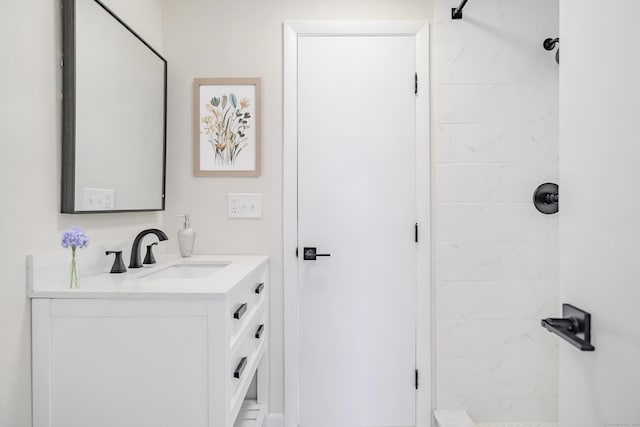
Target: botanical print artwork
pixel 226 127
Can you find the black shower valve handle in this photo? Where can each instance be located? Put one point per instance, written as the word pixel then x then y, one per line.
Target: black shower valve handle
pixel 546 198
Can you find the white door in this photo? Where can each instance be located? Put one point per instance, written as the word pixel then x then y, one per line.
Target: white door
pixel 357 202
pixel 600 209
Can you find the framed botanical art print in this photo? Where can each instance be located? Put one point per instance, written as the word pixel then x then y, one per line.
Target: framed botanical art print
pixel 226 128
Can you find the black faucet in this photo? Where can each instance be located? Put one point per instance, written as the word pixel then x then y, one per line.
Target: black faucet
pixel 135 249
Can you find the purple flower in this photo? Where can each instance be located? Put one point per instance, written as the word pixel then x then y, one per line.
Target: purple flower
pixel 74 238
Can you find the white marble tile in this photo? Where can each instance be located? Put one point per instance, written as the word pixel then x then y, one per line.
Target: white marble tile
pixel 493 222
pixel 529 103
pixel 467 103
pixel 475 63
pixel 471 29
pixel 468 182
pixel 519 181
pixel 441 65
pixel 529 261
pixel 478 143
pixel 468 222
pixel 511 378
pixel 524 61
pixel 537 19
pixel 521 222
pixel 503 143
pixel 525 299
pixel 528 23
pixel 508 409
pixel 496 109
pixel 494 339
pixel 443 144
pixel 468 261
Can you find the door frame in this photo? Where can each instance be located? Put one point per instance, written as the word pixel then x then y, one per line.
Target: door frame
pixel 292 30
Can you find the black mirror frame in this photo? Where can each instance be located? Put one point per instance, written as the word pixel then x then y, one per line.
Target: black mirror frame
pixel 68 63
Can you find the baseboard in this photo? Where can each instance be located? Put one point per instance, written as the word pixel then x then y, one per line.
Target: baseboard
pixel 275 420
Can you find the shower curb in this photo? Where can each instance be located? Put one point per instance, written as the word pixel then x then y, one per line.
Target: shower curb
pixel 523 424
pixel 447 418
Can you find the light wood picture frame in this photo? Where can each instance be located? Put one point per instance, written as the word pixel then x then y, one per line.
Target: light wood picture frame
pixel 227 127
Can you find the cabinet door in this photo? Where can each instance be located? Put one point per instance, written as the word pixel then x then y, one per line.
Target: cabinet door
pixel 120 363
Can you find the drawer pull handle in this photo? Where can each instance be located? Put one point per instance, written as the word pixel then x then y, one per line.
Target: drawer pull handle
pixel 240 311
pixel 259 331
pixel 259 288
pixel 240 368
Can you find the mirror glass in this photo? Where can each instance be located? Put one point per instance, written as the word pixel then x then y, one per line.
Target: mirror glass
pixel 114 114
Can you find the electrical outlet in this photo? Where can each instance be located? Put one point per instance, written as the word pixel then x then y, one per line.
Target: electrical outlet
pixel 98 199
pixel 244 205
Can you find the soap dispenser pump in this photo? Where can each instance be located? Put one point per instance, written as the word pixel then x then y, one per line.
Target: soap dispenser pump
pixel 186 237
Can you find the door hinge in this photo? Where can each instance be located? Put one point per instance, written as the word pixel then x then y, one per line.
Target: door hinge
pixel 416 233
pixel 415 87
pixel 296 252
pixel 416 379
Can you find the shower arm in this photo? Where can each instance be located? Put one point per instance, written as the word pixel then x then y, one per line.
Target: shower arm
pixel 456 12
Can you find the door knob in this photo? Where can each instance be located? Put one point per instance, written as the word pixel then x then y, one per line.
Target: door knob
pixel 310 254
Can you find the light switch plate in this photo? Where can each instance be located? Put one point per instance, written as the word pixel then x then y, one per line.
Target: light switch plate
pixel 244 205
pixel 99 199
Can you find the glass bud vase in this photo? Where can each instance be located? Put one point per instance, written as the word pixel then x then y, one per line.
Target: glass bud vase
pixel 73 281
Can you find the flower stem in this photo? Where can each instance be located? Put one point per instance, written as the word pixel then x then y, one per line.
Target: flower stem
pixel 73 283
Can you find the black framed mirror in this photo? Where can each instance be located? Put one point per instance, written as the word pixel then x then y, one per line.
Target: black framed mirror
pixel 114 114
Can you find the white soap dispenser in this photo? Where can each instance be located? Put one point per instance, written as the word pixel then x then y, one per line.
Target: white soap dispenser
pixel 186 237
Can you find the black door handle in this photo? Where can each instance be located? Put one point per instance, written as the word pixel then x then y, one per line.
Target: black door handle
pixel 310 254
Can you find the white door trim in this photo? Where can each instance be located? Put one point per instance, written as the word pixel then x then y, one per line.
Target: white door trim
pixel 291 32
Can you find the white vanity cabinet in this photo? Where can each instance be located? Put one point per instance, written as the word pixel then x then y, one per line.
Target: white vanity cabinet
pixel 168 357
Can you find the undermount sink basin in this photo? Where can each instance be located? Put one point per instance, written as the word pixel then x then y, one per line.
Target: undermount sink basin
pixel 186 271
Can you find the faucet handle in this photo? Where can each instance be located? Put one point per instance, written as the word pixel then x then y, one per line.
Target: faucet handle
pixel 149 258
pixel 118 265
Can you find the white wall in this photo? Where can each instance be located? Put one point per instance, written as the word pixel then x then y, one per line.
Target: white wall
pixel 496 124
pixel 599 155
pixel 244 39
pixel 30 129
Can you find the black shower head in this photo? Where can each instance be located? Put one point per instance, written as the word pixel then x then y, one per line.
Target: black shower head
pixel 550 44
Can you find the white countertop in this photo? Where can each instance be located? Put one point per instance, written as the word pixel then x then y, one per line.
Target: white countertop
pixel 136 283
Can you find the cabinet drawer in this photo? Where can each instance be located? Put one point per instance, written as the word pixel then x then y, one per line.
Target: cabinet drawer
pixel 250 330
pixel 245 299
pixel 241 363
pixel 247 348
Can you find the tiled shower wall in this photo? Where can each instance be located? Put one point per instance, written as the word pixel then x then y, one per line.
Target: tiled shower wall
pixel 496 119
